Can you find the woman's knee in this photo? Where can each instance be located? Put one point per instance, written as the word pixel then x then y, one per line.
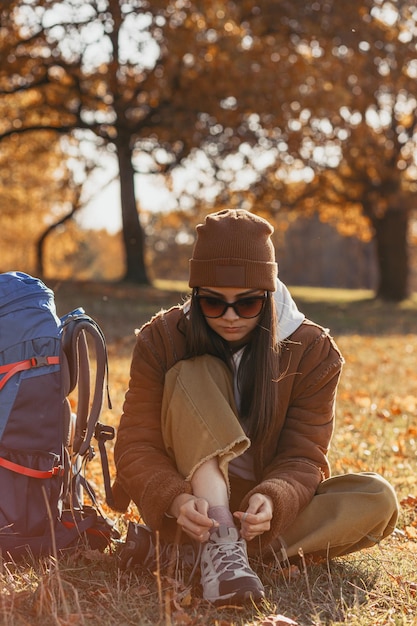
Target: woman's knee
pixel 201 376
pixel 389 501
pixel 385 502
pixel 199 366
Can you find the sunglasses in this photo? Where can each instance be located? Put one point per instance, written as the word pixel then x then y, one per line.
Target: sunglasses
pixel 243 307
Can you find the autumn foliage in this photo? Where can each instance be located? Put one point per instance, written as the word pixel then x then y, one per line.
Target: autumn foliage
pixel 272 105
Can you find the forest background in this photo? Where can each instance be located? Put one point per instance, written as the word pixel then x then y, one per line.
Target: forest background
pixel 302 112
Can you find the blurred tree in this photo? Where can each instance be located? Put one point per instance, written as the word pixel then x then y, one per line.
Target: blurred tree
pixel 170 236
pixel 72 253
pixel 269 103
pixel 341 116
pixel 39 191
pixel 35 185
pixel 51 79
pixel 316 112
pixel 147 80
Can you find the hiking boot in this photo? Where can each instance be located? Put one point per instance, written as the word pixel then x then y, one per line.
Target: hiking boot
pixel 140 549
pixel 226 576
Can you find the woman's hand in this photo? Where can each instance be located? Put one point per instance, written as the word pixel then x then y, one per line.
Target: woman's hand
pixel 191 514
pixel 257 518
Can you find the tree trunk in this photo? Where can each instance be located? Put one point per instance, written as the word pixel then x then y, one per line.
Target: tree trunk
pixel 133 235
pixel 40 244
pixel 391 234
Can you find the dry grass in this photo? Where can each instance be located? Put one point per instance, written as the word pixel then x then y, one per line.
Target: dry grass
pixel 376 430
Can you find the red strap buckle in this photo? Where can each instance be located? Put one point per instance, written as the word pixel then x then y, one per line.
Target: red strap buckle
pixel 38 361
pixel 28 471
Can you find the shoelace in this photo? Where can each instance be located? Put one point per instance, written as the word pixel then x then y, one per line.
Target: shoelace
pixel 233 555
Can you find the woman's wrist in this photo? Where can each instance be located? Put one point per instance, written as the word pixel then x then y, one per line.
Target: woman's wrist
pixel 178 501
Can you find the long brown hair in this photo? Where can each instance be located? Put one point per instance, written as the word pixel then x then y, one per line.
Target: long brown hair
pixel 258 370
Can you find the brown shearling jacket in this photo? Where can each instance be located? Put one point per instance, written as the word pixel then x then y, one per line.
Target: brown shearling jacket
pixel 293 462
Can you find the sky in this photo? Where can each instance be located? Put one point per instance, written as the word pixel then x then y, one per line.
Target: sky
pixel 103 211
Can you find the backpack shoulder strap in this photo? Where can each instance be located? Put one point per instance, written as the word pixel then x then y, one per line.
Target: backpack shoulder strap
pixel 77 328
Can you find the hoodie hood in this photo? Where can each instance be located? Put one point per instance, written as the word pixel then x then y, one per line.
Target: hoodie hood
pixel 289 317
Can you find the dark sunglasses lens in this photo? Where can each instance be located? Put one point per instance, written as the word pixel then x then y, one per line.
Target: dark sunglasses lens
pixel 245 307
pixel 211 307
pixel 249 307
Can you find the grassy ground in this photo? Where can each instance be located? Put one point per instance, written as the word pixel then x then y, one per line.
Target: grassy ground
pixel 376 431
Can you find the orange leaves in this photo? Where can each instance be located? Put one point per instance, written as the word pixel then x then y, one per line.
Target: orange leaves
pixel 384 407
pixel 361 399
pixel 411 533
pixel 377 401
pixel 409 501
pixel 409 404
pixel 407 585
pixel 408 534
pixel 290 573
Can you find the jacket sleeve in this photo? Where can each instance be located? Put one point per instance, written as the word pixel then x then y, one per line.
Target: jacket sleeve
pixel 145 473
pixel 307 403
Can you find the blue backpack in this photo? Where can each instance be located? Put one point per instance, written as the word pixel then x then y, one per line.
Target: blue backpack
pixel 44 446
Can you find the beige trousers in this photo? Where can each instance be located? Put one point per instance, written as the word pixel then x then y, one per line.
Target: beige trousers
pixel 199 422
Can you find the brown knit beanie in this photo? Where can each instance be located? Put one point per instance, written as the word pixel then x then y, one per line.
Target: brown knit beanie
pixel 234 249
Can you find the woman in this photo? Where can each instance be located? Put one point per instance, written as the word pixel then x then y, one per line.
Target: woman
pixel 228 418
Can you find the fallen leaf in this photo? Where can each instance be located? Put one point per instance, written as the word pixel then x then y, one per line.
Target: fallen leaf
pixel 410 501
pixel 411 532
